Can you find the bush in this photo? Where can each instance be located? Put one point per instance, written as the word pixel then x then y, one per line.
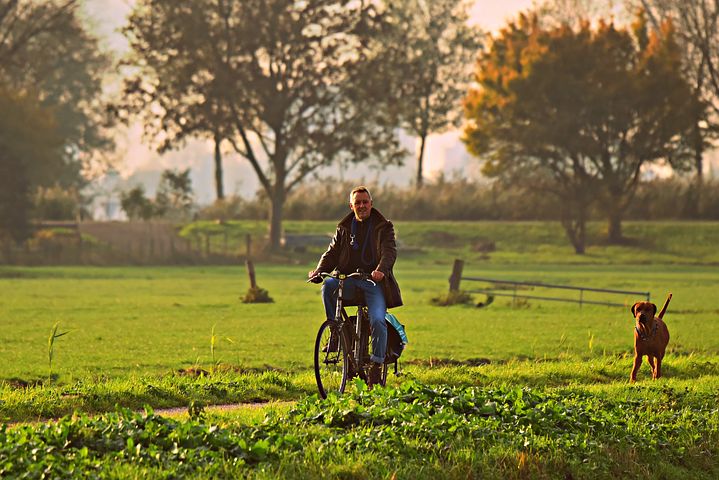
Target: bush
pixel 56 203
pixel 463 199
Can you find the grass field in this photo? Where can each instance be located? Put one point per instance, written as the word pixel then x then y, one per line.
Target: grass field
pixel 132 329
pixel 126 321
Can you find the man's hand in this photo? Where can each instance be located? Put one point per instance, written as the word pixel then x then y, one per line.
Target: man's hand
pixel 314 277
pixel 377 276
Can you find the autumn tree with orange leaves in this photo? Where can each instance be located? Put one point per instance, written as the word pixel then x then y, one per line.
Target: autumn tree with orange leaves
pixel 578 112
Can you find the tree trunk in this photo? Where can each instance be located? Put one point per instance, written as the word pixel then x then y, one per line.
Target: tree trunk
pixel 614 227
pixel 420 160
pixel 576 230
pixel 699 165
pixel 218 169
pixel 276 211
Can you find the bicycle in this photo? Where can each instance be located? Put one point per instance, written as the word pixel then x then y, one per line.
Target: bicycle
pixel 342 347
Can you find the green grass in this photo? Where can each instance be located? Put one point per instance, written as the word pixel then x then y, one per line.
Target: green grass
pixel 135 321
pixel 411 431
pixel 144 336
pixel 670 242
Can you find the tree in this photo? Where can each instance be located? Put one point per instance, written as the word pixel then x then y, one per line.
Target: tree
pixel 433 49
pixel 697 24
pixel 30 154
pixel 584 110
pixel 136 205
pixel 46 50
pixel 280 81
pixel 174 194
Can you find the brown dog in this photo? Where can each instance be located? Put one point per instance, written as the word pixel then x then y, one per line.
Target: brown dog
pixel 651 337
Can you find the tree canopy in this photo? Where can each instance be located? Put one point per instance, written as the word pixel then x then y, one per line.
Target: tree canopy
pixel 47 51
pixel 432 49
pixel 51 112
pixel 579 112
pixel 30 148
pixel 281 81
pixel 697 26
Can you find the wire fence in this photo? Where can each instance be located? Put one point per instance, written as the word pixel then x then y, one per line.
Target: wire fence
pixel 518 290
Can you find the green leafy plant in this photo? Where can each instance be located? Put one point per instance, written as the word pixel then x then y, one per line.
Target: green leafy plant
pixel 196 411
pixel 51 345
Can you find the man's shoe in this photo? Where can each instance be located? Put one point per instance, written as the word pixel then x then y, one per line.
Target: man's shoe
pixel 375 374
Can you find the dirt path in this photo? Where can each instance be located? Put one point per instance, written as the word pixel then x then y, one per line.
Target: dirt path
pixel 229 407
pixel 175 412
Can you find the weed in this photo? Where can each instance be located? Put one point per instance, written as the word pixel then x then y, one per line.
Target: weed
pixel 197 411
pixel 257 295
pixel 458 297
pixel 520 303
pixel 51 346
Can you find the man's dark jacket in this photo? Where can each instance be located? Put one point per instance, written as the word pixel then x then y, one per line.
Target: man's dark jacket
pixel 337 255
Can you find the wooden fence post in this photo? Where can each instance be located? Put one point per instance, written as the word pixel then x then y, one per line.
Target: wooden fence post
pixel 456 276
pixel 251 272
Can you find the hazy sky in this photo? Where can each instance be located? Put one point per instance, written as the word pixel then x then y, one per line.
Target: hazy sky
pixel 489 14
pixel 444 152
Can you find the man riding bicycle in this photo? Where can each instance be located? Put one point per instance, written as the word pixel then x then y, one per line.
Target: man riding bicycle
pixel 364 241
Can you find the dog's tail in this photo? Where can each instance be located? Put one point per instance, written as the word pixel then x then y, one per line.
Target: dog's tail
pixel 664 308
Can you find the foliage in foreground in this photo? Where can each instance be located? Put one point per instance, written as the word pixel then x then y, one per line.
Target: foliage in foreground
pixel 499 432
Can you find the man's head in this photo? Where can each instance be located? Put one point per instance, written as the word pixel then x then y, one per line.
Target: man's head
pixel 361 202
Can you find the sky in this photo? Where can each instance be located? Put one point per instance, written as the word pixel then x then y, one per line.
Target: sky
pixel 137 163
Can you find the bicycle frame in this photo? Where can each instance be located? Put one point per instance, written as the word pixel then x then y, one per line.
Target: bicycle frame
pixel 342 318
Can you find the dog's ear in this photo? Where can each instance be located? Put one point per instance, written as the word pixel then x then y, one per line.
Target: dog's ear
pixel 654 314
pixel 634 309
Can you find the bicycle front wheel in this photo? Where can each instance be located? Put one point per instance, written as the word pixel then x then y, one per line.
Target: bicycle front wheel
pixel 331 362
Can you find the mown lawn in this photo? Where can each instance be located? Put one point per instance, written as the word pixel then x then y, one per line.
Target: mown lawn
pixel 137 320
pixel 518 389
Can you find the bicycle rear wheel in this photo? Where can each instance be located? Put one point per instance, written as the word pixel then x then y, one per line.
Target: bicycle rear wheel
pixel 331 363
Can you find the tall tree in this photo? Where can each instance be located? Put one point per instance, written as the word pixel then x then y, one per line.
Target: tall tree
pixel 697 26
pixel 30 155
pixel 279 80
pixel 433 49
pixel 584 108
pixel 174 194
pixel 46 50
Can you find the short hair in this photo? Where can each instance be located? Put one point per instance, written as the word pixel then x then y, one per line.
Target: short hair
pixel 360 189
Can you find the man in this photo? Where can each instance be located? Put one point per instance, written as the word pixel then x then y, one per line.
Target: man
pixel 364 241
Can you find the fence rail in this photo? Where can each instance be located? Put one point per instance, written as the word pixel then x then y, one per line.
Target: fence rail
pixel 456 278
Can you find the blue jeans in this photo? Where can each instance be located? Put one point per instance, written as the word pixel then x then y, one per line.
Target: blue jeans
pixel 376 306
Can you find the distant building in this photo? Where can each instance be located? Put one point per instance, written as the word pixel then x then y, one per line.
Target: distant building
pixel 105 193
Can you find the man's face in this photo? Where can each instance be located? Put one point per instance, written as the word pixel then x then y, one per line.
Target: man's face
pixel 361 205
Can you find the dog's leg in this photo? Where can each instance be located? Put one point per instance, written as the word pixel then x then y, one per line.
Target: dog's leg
pixel 635 368
pixel 658 368
pixel 652 364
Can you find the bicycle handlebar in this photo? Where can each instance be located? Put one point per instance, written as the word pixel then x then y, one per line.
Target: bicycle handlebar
pixel 322 275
